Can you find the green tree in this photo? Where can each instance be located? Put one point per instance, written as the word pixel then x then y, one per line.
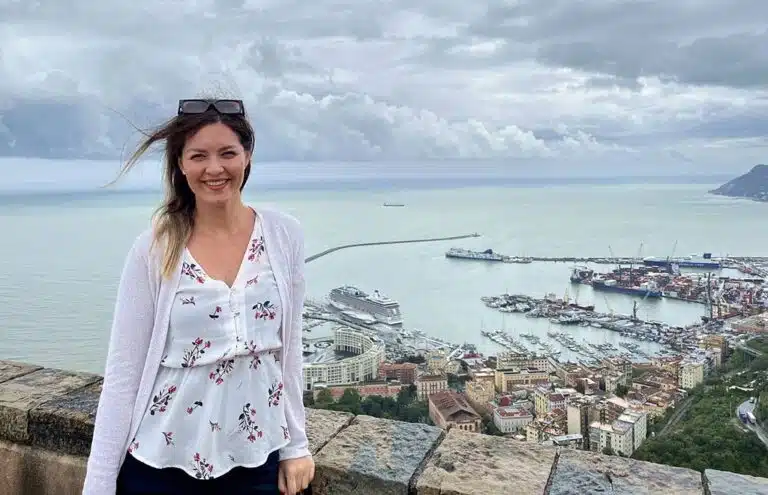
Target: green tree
pixel 708 436
pixel 324 398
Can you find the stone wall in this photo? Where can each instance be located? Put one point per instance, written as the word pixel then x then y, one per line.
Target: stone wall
pixel 46 421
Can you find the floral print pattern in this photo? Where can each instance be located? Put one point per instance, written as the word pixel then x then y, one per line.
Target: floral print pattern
pixel 219 390
pixel 216 313
pixel 168 435
pixel 253 352
pixel 161 400
pixel 248 424
pixel 223 369
pixel 275 393
pixel 264 311
pixel 256 249
pixel 202 467
pixel 193 354
pixel 195 405
pixel 193 271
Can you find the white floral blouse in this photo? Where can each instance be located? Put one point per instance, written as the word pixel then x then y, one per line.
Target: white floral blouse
pixel 217 403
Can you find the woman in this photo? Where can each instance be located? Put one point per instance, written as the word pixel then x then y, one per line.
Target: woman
pixel 203 383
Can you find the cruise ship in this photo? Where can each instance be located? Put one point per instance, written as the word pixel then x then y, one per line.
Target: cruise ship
pixel 487 255
pixel 695 261
pixel 351 301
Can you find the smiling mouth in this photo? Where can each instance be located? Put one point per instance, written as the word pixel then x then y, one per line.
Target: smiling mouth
pixel 215 183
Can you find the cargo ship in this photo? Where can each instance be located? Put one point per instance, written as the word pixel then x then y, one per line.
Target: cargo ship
pixel 487 255
pixel 695 261
pixel 610 285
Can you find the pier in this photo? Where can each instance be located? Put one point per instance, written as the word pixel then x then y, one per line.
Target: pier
pixel 382 243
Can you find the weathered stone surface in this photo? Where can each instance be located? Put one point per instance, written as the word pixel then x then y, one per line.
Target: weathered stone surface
pixel 373 456
pixel 65 424
pixel 473 464
pixel 23 393
pixel 725 483
pixel 11 369
pixel 323 425
pixel 26 470
pixel 578 472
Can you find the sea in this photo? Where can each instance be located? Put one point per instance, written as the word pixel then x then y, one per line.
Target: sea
pixel 61 252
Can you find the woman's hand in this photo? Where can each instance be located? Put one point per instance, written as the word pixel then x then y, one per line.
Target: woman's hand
pixel 295 475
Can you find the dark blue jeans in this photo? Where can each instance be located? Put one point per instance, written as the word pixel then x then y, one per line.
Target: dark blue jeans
pixel 136 478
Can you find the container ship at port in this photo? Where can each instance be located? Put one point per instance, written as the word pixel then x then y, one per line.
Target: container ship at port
pixel 695 261
pixel 610 285
pixel 584 275
pixel 487 255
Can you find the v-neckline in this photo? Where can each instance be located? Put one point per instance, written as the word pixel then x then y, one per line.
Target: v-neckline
pixel 256 221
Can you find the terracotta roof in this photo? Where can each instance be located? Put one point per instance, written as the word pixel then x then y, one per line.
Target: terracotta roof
pixel 452 406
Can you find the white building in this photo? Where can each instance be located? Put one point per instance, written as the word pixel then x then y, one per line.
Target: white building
pixel 617 435
pixel 510 419
pixel 639 422
pixel 363 366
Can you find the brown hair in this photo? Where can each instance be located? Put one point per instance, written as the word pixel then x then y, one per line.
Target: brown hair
pixel 174 219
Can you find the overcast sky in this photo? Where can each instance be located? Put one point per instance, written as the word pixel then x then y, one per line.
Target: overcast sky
pixel 654 82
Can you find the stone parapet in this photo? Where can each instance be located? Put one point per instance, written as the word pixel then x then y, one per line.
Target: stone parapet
pixel 47 416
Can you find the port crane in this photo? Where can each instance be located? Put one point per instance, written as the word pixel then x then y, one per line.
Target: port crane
pixel 632 264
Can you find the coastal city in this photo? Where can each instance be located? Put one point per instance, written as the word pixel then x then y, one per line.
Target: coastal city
pixel 602 397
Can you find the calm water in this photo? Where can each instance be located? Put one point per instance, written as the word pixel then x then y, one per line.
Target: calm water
pixel 61 255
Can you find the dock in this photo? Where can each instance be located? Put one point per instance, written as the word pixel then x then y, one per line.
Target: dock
pixel 384 243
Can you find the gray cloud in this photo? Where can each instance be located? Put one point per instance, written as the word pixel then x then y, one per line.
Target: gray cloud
pixel 333 80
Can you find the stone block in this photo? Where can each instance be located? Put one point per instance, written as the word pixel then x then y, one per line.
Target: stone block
pixel 11 369
pixel 472 464
pixel 26 470
pixel 323 425
pixel 23 393
pixel 725 483
pixel 578 472
pixel 373 456
pixel 65 424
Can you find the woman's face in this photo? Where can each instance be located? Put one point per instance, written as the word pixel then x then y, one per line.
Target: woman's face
pixel 214 161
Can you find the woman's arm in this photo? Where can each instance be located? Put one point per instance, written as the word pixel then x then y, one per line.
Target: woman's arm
pixel 132 326
pixel 293 380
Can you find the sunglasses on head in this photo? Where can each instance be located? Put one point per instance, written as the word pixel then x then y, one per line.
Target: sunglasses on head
pixel 229 107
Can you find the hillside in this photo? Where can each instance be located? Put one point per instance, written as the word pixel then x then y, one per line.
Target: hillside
pixel 752 185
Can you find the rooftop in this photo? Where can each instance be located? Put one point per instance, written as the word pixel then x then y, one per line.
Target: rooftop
pixel 512 412
pixel 452 405
pixel 46 423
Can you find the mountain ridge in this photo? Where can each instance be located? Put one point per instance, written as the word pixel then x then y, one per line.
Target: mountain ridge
pixel 752 185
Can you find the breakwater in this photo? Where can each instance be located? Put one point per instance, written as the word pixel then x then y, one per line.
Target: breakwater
pixel 384 243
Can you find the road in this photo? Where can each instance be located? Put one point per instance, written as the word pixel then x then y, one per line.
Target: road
pixel 746 407
pixel 676 416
